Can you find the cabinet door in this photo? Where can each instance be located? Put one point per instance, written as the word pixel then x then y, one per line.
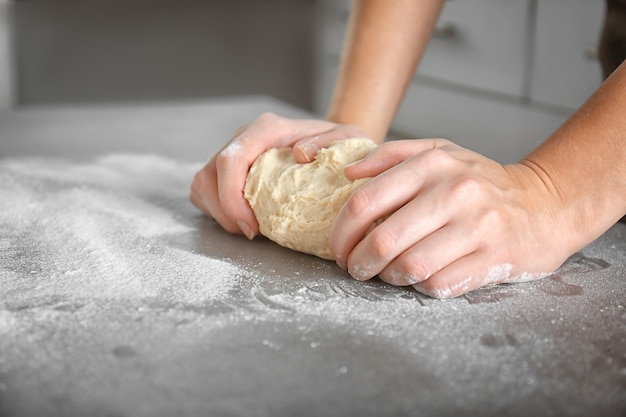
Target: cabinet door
pixel 480 44
pixel 504 130
pixel 565 71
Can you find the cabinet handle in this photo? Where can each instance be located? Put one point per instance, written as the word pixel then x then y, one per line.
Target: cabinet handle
pixel 445 30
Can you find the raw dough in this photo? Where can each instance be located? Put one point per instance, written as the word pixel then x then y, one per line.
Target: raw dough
pixel 296 204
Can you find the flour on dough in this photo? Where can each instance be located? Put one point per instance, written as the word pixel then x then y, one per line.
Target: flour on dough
pixel 296 204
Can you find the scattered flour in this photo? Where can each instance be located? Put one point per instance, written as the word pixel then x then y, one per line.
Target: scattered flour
pixel 234 149
pixel 99 231
pixel 90 231
pixel 77 233
pixel 6 321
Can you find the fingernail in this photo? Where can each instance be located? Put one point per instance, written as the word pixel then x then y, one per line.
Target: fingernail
pixel 308 150
pixel 246 229
pixel 359 273
pixel 440 294
pixel 400 278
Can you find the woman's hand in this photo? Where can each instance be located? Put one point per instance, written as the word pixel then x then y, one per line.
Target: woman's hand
pixel 453 221
pixel 217 189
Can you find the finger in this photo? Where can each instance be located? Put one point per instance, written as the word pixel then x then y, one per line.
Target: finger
pixel 203 193
pixel 231 170
pixel 466 274
pixel 196 200
pixel 430 255
pixel 422 184
pixel 376 199
pixel 390 154
pixel 197 189
pixel 207 202
pixel 272 131
pixel 306 149
pixel 406 227
pixel 234 161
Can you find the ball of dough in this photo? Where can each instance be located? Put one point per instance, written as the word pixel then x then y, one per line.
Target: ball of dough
pixel 296 204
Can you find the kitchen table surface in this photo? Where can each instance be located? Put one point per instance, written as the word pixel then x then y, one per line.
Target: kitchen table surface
pixel 117 298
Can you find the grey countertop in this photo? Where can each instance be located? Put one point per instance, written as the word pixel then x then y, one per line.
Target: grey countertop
pixel 117 298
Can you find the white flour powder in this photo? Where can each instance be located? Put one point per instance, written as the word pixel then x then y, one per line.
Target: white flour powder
pixel 90 231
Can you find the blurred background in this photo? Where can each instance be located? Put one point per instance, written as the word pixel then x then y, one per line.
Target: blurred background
pixel 119 50
pixel 498 76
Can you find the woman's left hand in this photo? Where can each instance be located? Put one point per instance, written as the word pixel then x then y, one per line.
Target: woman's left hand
pixel 454 220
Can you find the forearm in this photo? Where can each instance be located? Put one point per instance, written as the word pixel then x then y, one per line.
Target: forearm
pixel 584 161
pixel 384 43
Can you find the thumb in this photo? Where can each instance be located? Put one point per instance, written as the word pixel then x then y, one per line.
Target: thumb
pixel 390 154
pixel 306 149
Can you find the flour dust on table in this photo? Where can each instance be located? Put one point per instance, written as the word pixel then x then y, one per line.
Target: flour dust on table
pixel 91 231
pixel 106 231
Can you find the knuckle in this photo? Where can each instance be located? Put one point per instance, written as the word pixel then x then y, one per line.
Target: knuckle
pixel 224 159
pixel 198 183
pixel 468 186
pixel 466 189
pixel 434 160
pixel 491 219
pixel 414 269
pixel 359 202
pixel 447 143
pixel 382 243
pixel 437 157
pixel 267 117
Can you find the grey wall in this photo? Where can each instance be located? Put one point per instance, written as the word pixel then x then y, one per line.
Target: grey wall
pixel 94 51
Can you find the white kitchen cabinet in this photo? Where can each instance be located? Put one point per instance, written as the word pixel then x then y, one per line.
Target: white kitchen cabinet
pixel 498 75
pixel 501 129
pixel 565 70
pixel 480 44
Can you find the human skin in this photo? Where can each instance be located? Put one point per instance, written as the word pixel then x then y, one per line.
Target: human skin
pixel 455 220
pixel 217 189
pixel 383 45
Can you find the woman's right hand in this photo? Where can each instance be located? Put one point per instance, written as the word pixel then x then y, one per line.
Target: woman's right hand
pixel 217 189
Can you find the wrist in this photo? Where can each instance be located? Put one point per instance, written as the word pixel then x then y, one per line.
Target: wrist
pixel 551 215
pixel 572 211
